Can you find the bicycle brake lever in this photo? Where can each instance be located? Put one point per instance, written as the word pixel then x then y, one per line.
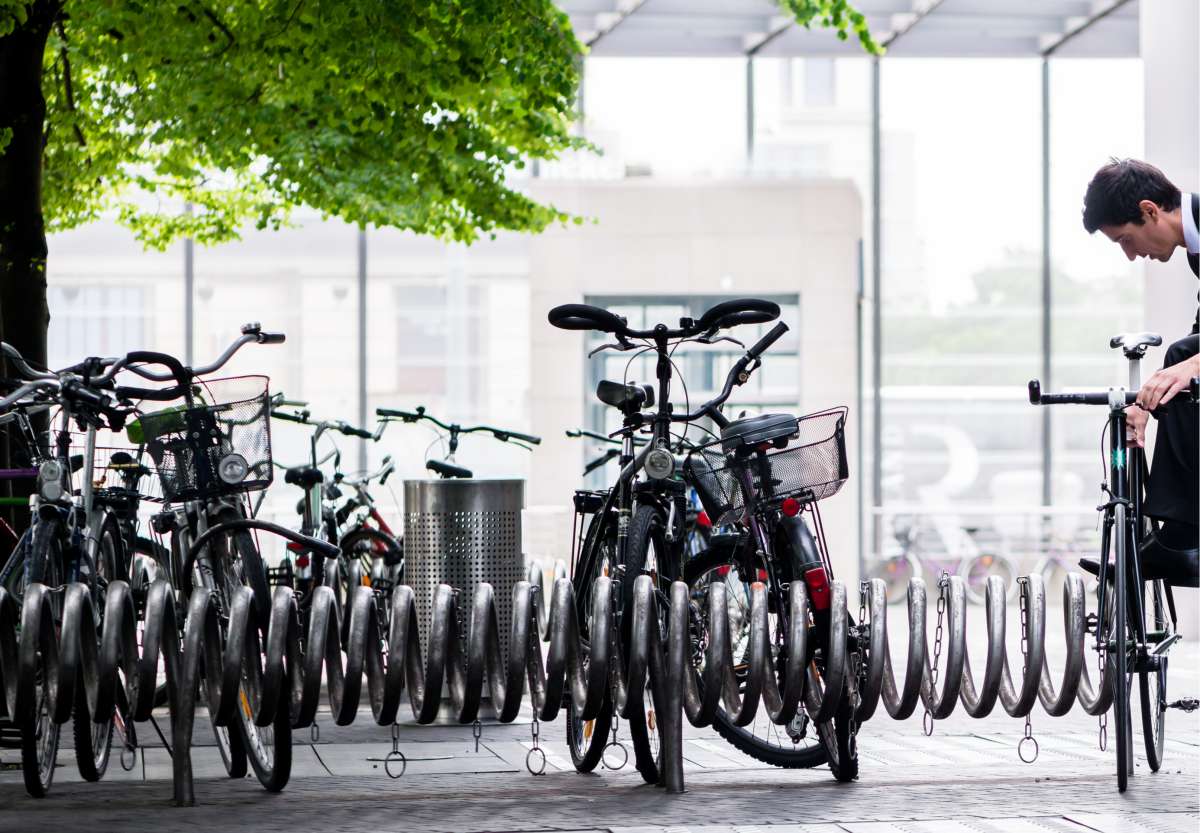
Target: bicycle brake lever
pixel 710 340
pixel 604 347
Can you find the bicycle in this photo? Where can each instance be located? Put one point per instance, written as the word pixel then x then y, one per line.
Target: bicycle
pixel 210 450
pixel 369 554
pixel 76 535
pixel 446 468
pixel 1127 644
pixel 635 526
pixel 961 556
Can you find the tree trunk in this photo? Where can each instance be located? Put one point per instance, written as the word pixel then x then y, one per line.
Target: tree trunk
pixel 24 315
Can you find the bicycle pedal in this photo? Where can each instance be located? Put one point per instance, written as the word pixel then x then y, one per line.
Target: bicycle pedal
pixel 1187 704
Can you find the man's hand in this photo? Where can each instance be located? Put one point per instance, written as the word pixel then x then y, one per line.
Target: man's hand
pixel 1164 384
pixel 1135 426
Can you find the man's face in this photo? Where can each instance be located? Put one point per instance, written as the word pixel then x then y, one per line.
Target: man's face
pixel 1153 238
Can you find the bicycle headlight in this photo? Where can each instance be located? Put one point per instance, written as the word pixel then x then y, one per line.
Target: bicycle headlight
pixel 660 463
pixel 50 477
pixel 233 469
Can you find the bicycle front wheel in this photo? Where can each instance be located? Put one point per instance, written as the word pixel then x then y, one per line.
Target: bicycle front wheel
pixel 586 739
pixel 1152 680
pixel 40 735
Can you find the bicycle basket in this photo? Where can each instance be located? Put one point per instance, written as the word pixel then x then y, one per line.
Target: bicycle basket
pixel 219 445
pixel 812 467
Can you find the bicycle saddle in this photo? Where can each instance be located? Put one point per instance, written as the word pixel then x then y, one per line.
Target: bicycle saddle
pixel 1134 344
pixel 303 476
pixel 448 469
pixel 625 397
pixel 773 428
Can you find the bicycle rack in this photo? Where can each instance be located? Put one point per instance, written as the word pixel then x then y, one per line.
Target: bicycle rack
pixel 467 658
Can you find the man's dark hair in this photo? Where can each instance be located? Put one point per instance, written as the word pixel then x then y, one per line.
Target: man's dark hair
pixel 1114 193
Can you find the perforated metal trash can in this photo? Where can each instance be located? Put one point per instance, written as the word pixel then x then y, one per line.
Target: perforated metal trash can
pixel 461 533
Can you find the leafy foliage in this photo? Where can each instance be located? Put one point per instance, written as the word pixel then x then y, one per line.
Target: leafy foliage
pixel 838 15
pixel 394 112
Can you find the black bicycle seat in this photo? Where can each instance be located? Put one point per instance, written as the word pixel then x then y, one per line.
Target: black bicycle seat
pixel 303 476
pixel 772 428
pixel 1134 344
pixel 448 469
pixel 626 397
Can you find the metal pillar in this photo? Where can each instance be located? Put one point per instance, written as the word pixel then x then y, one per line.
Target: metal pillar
pixel 362 343
pixel 876 310
pixel 189 292
pixel 1047 384
pixel 749 111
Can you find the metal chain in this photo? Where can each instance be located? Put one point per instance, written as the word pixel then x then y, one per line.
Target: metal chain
pixel 1022 600
pixel 477 732
pixel 858 666
pixel 943 585
pixel 395 756
pixel 535 728
pixel 614 744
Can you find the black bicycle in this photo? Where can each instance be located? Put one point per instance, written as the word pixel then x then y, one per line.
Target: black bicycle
pixel 748 479
pixel 1135 624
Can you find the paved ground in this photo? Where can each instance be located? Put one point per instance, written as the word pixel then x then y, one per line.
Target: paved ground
pixel 966 777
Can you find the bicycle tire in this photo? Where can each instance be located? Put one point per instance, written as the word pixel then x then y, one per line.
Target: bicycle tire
pixel 1121 711
pixel 586 743
pixel 977 593
pixel 896 572
pixel 648 529
pixel 743 738
pixel 40 737
pixel 268 748
pixel 92 740
pixel 1152 687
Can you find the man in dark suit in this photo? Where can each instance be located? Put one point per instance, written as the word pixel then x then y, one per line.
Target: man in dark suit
pixel 1140 210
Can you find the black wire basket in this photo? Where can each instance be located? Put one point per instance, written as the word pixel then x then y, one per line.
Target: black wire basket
pixel 219 445
pixel 812 467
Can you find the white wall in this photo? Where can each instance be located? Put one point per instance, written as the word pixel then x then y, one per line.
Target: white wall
pixel 735 237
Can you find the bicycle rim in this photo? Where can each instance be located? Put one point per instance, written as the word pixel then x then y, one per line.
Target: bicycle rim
pixel 1152 684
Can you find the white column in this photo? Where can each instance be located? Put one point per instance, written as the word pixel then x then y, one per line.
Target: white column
pixel 1170 47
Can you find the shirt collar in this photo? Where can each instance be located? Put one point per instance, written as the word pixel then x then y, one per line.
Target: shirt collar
pixel 1191 235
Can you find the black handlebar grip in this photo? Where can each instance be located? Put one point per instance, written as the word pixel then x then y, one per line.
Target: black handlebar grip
pixel 392 412
pixel 271 338
pixel 766 341
pixel 288 417
pixel 351 431
pixel 156 394
pixel 1035 392
pixel 738 311
pixel 182 374
pixel 528 438
pixel 585 317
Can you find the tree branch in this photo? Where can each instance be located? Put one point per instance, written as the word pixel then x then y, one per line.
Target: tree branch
pixel 67 87
pixel 216 21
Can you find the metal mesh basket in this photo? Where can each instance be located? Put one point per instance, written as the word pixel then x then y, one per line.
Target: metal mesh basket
pixel 219 445
pixel 812 467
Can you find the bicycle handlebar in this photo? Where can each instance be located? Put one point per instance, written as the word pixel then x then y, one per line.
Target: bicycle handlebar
pixel 725 314
pixel 502 434
pixel 338 425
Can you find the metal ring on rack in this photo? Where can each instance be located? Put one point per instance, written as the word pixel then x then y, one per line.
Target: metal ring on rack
pixel 624 760
pixel 529 762
pixel 131 752
pixel 392 757
pixel 1021 750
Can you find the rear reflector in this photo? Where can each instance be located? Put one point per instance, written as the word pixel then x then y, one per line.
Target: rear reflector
pixel 818 587
pixel 301 561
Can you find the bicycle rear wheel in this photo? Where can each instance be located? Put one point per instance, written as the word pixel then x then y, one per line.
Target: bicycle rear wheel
pixel 791 746
pixel 1152 681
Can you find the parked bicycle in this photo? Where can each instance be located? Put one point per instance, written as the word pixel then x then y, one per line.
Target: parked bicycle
pixel 747 478
pixel 1135 624
pixel 449 434
pixel 370 553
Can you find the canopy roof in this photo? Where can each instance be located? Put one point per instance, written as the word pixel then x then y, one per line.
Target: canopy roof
pixel 909 28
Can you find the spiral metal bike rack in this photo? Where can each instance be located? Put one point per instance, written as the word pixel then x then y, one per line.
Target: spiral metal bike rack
pixel 467 657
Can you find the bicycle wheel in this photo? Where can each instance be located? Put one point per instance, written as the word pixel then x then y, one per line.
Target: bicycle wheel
pixel 268 748
pixel 975 571
pixel 789 746
pixel 1121 711
pixel 1152 681
pixel 40 736
pixel 586 739
pixel 895 573
pixel 93 741
pixel 646 551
